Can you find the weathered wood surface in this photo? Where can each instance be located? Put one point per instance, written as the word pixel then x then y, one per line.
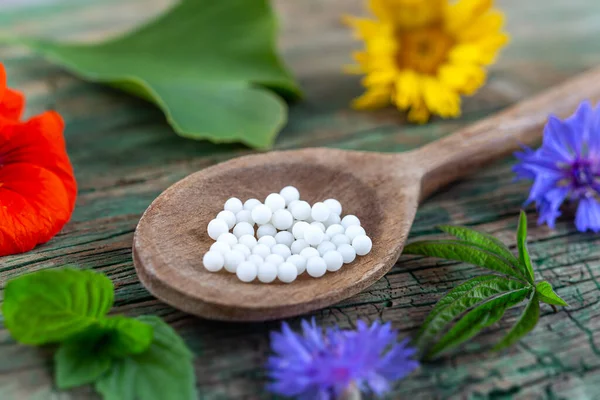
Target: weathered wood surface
pixel 125 155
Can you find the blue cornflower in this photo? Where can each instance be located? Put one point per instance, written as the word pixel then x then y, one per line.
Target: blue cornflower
pixel 566 167
pixel 317 365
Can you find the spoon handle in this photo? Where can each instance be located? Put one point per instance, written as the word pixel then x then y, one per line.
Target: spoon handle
pixel 497 136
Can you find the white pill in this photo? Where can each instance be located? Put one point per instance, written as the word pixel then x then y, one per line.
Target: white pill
pixel 332 220
pixel 228 238
pixel 298 246
pixel 243 228
pixel 282 250
pixel 213 261
pixel 284 237
pixel 301 210
pixel 267 272
pixel 250 204
pixel 261 214
pixel 334 260
pixel 348 253
pixel 324 247
pixel 234 205
pixel 220 247
pixel 349 220
pixel 289 194
pixel 242 249
pixel 216 228
pixel 247 240
pixel 362 245
pixel 334 205
pixel 266 230
pixel 282 219
pixel 287 272
pixel 268 241
pixel 320 212
pixel 233 259
pixel 261 250
pixel 353 231
pixel 313 235
pixel 335 229
pixel 246 271
pixel 256 259
pixel 319 225
pixel 228 217
pixel 274 259
pixel 309 252
pixel 298 261
pixel 291 204
pixel 316 267
pixel 340 239
pixel 244 216
pixel 275 202
pixel 299 228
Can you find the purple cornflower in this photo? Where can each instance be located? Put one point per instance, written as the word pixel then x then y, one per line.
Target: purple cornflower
pixel 321 365
pixel 567 166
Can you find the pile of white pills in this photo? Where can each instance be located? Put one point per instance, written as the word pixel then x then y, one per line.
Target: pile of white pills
pixel 283 237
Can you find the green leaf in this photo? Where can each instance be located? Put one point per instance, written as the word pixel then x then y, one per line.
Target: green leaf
pixel 79 362
pixel 207 64
pixel 125 336
pixel 463 251
pixel 483 240
pixel 525 263
pixel 462 298
pixel 547 294
pixel 526 323
pixel 52 305
pixel 480 317
pixel 164 371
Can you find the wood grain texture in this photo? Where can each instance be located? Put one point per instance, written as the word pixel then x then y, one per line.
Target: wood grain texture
pixel 125 156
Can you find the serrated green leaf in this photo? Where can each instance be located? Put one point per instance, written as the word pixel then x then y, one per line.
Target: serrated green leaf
pixel 125 335
pixel 52 305
pixel 462 251
pixel 547 294
pixel 480 317
pixel 462 298
pixel 164 371
pixel 207 64
pixel 483 240
pixel 79 362
pixel 525 263
pixel 526 323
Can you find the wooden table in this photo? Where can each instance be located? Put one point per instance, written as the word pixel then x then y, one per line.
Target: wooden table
pixel 125 155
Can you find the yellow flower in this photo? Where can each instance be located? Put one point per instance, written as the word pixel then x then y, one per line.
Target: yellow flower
pixel 422 55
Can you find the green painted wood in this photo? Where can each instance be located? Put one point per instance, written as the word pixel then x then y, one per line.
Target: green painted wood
pixel 125 155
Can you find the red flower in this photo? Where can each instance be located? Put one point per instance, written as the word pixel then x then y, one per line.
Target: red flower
pixel 37 186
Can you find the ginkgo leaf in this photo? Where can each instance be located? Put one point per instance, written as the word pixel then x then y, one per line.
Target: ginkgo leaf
pixel 207 64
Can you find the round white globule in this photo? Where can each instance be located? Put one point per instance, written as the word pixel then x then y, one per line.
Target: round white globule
pixel 313 235
pixel 298 261
pixel 334 260
pixel 216 228
pixel 250 204
pixel 362 245
pixel 213 261
pixel 234 205
pixel 242 249
pixel 291 204
pixel 298 246
pixel 287 272
pixel 275 202
pixel 246 271
pixel 228 217
pixel 233 259
pixel 247 240
pixel 316 267
pixel 301 210
pixel 299 228
pixel 324 247
pixel 320 212
pixel 228 238
pixel 220 247
pixel 282 250
pixel 335 229
pixel 332 220
pixel 348 253
pixel 340 239
pixel 349 220
pixel 266 230
pixel 353 231
pixel 261 214
pixel 243 228
pixel 286 238
pixel 267 272
pixel 256 259
pixel 334 206
pixel 282 219
pixel 309 252
pixel 289 194
pixel 261 250
pixel 244 216
pixel 268 241
pixel 275 259
pixel 319 225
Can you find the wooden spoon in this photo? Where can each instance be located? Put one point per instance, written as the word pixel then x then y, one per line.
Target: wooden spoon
pixel 383 190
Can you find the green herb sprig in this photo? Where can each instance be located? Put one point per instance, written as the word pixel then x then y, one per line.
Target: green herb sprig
pixel 482 301
pixel 126 358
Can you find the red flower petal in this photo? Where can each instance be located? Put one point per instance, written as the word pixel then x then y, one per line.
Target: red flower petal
pixel 12 102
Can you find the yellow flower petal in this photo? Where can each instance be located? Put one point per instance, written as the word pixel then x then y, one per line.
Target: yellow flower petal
pixel 374 98
pixel 407 90
pixel 486 25
pixel 463 12
pixel 463 78
pixel 408 14
pixel 440 99
pixel 364 28
pixel 419 113
pixel 380 78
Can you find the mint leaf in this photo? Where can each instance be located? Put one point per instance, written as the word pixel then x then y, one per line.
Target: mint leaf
pixel 463 251
pixel 525 264
pixel 124 335
pixel 547 294
pixel 52 305
pixel 526 323
pixel 81 361
pixel 164 371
